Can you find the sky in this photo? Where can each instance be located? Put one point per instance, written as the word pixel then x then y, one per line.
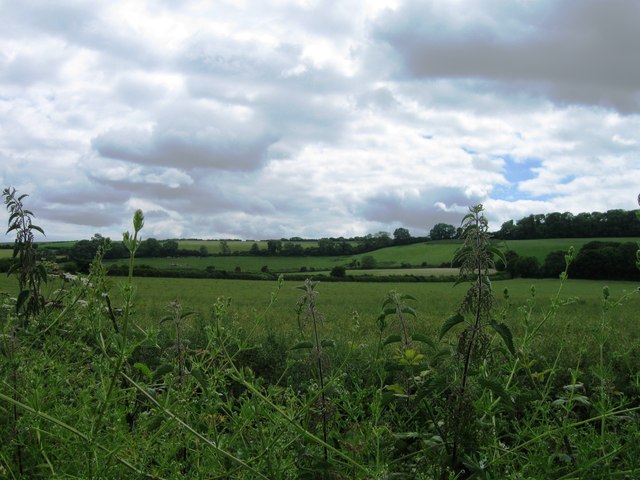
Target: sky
pixel 271 119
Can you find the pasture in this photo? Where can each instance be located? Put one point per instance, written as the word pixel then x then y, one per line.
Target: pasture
pixel 431 254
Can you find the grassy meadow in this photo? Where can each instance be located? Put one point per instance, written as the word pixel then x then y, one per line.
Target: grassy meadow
pixel 341 302
pixel 206 378
pixel 432 254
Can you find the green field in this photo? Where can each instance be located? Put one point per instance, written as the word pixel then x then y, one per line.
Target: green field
pixel 246 263
pixel 240 246
pixel 542 247
pixel 337 301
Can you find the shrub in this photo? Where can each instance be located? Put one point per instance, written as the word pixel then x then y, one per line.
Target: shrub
pixel 338 271
pixel 368 262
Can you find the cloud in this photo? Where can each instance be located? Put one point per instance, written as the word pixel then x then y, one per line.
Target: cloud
pixel 192 136
pixel 301 118
pixel 573 52
pixel 419 209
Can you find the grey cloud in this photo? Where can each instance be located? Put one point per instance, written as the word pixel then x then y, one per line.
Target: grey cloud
pixel 81 24
pixel 137 92
pixel 429 206
pixel 191 137
pixel 81 215
pixel 575 52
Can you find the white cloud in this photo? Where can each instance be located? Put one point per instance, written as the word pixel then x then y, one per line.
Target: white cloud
pixel 301 118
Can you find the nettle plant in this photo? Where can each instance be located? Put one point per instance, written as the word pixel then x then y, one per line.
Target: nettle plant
pixel 476 260
pixel 31 273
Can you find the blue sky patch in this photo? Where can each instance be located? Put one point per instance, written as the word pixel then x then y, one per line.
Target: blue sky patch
pixel 516 171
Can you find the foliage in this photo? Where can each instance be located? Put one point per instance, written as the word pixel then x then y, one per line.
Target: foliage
pixel 368 262
pixel 442 231
pixel 612 223
pixel 29 272
pixel 218 391
pixel 338 271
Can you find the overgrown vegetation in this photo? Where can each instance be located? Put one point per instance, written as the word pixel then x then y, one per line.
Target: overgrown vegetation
pixel 90 392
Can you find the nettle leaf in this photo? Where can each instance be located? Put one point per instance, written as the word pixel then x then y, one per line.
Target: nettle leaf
pixel 388 311
pixel 202 380
pixel 142 368
pixel 300 345
pixel 506 335
pixel 328 343
pixel 406 296
pixel 35 227
pixel 162 370
pixel 449 323
pixel 392 339
pixel 497 389
pixel 418 337
pixel 22 298
pixel 409 310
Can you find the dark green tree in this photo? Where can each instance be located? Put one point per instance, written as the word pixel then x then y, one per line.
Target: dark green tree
pixel 442 231
pixel 401 236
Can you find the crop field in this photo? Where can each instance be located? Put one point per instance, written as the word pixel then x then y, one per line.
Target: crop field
pixel 241 246
pixel 433 254
pixel 245 263
pixel 183 378
pixel 580 313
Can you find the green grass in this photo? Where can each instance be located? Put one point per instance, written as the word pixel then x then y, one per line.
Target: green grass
pixel 241 246
pixel 338 301
pixel 246 263
pixel 542 247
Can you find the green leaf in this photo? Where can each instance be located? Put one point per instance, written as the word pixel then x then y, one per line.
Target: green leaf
pixel 142 368
pixel 328 343
pixel 449 323
pixel 406 296
pixel 388 311
pixel 300 345
pixel 392 339
pixel 506 335
pixel 22 297
pixel 35 227
pixel 409 310
pixel 162 370
pixel 418 337
pixel 202 380
pixel 497 389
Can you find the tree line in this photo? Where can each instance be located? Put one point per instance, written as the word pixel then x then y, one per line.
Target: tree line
pixel 612 223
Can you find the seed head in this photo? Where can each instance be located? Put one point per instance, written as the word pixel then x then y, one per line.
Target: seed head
pixel 138 220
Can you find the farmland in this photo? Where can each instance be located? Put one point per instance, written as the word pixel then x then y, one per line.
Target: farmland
pixel 182 377
pixel 433 254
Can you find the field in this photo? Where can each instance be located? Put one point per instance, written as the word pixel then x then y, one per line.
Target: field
pixel 435 302
pixel 203 378
pixel 433 254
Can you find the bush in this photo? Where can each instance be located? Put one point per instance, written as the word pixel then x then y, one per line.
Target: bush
pixel 368 262
pixel 527 267
pixel 338 271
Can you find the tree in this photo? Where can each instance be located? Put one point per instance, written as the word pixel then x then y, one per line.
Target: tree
pixel 224 248
pixel 169 248
pixel 401 236
pixel 554 264
pixel 338 271
pixel 255 249
pixel 442 231
pixel 150 248
pixel 203 251
pixel 274 247
pixel 368 262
